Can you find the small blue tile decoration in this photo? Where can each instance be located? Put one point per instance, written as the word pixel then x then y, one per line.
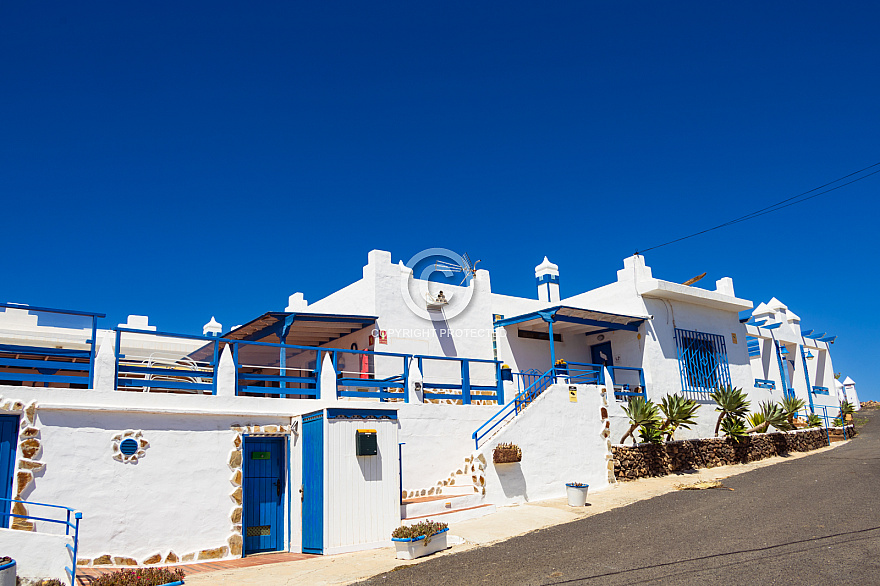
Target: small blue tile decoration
pixel 128 446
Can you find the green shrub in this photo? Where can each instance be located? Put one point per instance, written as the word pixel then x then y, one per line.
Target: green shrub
pixel 140 577
pixel 423 528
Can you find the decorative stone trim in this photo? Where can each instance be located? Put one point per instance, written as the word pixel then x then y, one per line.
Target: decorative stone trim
pixel 641 460
pixel 606 434
pixel 474 466
pixel 234 545
pixel 141 447
pixel 27 455
pixel 234 542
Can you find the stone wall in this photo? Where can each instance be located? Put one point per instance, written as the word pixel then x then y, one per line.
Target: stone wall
pixel 631 462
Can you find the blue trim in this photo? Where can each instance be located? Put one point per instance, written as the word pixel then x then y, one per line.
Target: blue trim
pixel 52 310
pixel 547 279
pixel 828 339
pixel 419 538
pixel 313 484
pixel 9 564
pixel 343 413
pixel 313 416
pixel 807 376
pixel 761 383
pixel 574 485
pixel 552 313
pixel 820 391
pixel 772 327
pixel 702 362
pixel 178 583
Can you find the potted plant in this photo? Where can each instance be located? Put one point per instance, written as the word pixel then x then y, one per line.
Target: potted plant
pixel 506 454
pixel 561 367
pixel 421 539
pixel 506 373
pixel 577 493
pixel 7 571
pixel 141 577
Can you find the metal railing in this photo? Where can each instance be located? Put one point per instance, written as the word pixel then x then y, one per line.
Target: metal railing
pixel 444 374
pixel 372 375
pixel 583 373
pixel 282 370
pixel 512 409
pixel 49 363
pixel 68 527
pixel 168 369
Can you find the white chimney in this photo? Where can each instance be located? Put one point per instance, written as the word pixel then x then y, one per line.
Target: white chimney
pixel 296 302
pixel 547 278
pixel 212 328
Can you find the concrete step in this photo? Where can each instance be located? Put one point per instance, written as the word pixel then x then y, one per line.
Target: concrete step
pixel 434 505
pixel 454 515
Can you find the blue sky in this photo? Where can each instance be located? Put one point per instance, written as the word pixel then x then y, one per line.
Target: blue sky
pixel 184 160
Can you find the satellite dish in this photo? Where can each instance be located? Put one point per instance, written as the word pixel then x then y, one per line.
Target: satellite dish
pixel 694 280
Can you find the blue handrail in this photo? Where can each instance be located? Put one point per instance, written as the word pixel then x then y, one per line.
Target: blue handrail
pixel 516 406
pixel 68 526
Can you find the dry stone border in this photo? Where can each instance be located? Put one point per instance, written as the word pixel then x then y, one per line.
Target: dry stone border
pixel 643 460
pixel 29 452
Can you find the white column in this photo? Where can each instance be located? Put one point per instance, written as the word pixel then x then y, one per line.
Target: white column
pixel 226 375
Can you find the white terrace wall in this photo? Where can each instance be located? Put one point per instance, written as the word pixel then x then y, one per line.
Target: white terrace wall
pixel 561 441
pixel 437 439
pixel 180 500
pixel 38 555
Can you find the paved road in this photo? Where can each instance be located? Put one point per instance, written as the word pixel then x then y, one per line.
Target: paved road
pixel 810 521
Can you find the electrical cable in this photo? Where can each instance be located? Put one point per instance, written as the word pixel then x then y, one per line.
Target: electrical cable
pixel 793 200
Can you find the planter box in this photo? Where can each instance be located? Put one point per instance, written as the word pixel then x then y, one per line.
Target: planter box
pixel 410 549
pixel 7 574
pixel 178 583
pixel 577 495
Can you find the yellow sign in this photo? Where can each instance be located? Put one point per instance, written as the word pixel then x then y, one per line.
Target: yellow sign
pixel 573 394
pixel 734 338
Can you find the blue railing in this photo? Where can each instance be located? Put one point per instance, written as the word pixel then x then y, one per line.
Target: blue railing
pixel 525 378
pixel 181 370
pixel 358 368
pixel 68 527
pixel 465 387
pixel 761 383
pixel 276 369
pixel 48 365
pixel 582 373
pixel 514 408
pixel 285 370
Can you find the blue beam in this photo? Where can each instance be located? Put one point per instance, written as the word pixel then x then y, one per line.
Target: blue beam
pixel 828 339
pixel 595 322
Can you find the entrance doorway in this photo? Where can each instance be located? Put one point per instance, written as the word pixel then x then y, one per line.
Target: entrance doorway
pixel 263 513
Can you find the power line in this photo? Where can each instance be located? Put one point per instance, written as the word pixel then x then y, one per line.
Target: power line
pixel 790 201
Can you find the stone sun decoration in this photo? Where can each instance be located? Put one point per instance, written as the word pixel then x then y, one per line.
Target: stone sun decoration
pixel 129 446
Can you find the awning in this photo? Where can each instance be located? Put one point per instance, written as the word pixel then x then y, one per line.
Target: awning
pixel 300 329
pixel 573 320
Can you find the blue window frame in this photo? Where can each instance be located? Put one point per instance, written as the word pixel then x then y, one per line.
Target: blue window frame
pixel 702 361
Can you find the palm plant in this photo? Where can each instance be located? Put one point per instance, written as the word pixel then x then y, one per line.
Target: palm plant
pixel 650 434
pixel 755 419
pixel 679 412
pixel 733 426
pixel 770 414
pixel 791 405
pixel 640 411
pixel 731 402
pixel 846 408
pixel 814 420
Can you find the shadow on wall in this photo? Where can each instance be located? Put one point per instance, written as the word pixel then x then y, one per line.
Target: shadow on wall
pixel 371 466
pixel 441 327
pixel 512 480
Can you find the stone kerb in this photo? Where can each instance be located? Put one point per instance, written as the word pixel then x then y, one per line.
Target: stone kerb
pixel 643 460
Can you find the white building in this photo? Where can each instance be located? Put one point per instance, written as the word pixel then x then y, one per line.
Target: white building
pixel 321 427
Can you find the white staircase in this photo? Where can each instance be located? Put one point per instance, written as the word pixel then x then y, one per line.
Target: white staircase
pixel 459 497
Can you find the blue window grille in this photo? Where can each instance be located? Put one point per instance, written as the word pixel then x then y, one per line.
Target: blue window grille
pixel 702 361
pixel 754 346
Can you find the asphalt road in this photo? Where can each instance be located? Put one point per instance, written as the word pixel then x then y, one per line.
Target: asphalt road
pixel 808 521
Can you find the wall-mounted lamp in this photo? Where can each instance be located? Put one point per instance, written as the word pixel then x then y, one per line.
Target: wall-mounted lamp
pixel 810 355
pixel 600 337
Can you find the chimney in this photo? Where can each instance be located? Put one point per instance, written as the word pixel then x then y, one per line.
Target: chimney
pixel 212 328
pixel 547 278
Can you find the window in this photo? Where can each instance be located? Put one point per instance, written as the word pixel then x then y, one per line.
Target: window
pixel 538 335
pixel 702 360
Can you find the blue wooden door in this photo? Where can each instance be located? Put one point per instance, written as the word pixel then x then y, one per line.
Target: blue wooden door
pixel 601 354
pixel 263 514
pixel 8 439
pixel 313 484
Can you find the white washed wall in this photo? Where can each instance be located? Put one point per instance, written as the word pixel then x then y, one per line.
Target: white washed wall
pixel 561 442
pixel 363 498
pixel 437 440
pixel 37 555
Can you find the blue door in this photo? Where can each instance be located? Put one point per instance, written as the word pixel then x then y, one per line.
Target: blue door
pixel 601 354
pixel 8 439
pixel 313 484
pixel 263 514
